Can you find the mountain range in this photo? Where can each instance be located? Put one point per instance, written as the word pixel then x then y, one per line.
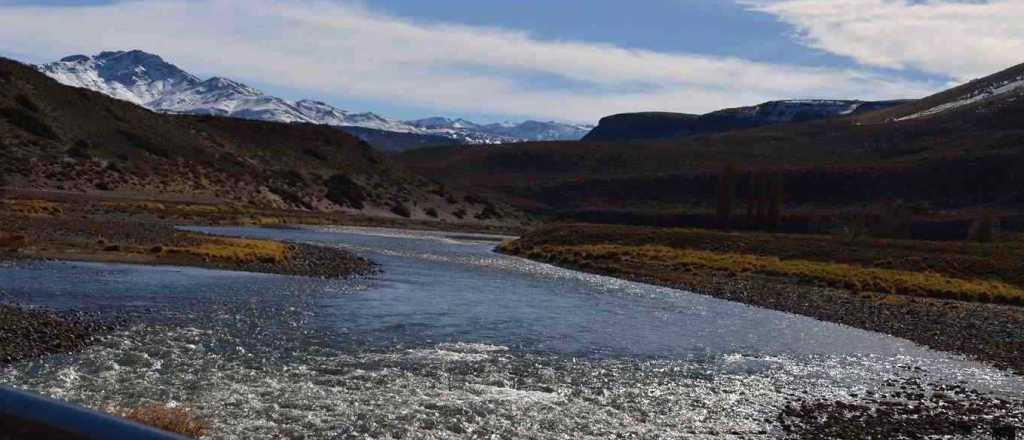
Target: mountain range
pixel 78 141
pixel 148 80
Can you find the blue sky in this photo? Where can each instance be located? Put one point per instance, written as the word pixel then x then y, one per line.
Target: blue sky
pixel 572 60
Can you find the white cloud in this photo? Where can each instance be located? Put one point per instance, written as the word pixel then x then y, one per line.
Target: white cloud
pixel 958 39
pixel 341 49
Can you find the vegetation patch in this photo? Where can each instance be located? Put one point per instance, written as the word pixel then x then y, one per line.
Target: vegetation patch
pixel 401 210
pixel 145 144
pixel 343 191
pixel 33 207
pixel 12 241
pixel 851 277
pixel 28 121
pixel 237 250
pixel 171 419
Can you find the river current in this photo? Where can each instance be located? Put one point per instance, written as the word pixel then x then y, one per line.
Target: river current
pixel 451 340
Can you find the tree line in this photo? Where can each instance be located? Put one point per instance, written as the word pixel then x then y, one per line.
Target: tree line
pixel 765 198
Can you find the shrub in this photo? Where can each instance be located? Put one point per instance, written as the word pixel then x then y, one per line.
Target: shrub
pixel 401 210
pixel 460 213
pixel 175 420
pixel 488 213
pixel 315 154
pixel 984 228
pixel 13 241
pixel 343 191
pixel 894 221
pixel 726 195
pixel 431 212
pixel 474 199
pixel 143 143
pixel 29 122
pixel 26 103
pixel 80 150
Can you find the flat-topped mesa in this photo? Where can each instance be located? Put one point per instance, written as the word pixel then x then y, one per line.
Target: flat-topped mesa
pixel 663 125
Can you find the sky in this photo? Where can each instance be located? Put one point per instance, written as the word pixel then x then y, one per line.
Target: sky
pixel 564 60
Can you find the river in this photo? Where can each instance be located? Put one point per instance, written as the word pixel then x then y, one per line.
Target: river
pixel 451 340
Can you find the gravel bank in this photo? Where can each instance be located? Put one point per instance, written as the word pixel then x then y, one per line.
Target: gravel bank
pixel 92 239
pixel 29 333
pixel 907 409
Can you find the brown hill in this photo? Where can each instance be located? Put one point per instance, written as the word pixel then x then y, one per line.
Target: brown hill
pixel 54 137
pixel 966 156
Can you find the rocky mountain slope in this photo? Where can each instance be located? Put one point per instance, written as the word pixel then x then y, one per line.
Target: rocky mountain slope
pixel 660 125
pixel 147 80
pixel 59 138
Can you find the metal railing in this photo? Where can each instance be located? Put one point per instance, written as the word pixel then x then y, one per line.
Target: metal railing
pixel 37 413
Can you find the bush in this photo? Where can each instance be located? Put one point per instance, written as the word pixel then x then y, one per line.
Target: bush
pixel 175 420
pixel 474 199
pixel 13 241
pixel 143 143
pixel 26 103
pixel 894 221
pixel 488 213
pixel 315 154
pixel 29 122
pixel 431 212
pixel 343 191
pixel 460 213
pixel 80 150
pixel 984 229
pixel 726 196
pixel 401 210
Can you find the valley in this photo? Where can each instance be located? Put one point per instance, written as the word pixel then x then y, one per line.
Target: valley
pixel 268 268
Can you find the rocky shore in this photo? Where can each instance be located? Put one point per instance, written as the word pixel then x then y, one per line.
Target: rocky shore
pixel 118 240
pixel 29 333
pixel 906 409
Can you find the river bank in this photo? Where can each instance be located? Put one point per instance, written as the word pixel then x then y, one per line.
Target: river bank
pixel 41 230
pixel 453 341
pixel 986 331
pixel 27 333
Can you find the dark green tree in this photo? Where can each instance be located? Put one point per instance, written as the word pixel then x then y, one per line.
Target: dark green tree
pixel 726 196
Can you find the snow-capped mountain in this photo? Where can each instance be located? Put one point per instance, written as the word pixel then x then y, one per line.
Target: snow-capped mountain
pixel 147 80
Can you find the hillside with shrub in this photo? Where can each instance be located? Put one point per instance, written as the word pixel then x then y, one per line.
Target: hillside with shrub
pixel 59 138
pixel 947 155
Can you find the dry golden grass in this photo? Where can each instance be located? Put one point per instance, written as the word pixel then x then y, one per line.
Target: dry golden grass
pixel 260 221
pixel 237 250
pixel 199 209
pixel 135 206
pixel 33 207
pixel 176 420
pixel 851 277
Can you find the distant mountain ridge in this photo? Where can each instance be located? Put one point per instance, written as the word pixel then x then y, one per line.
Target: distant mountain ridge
pixel 147 80
pixel 661 125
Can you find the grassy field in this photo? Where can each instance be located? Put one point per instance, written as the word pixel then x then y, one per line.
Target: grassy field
pixel 963 271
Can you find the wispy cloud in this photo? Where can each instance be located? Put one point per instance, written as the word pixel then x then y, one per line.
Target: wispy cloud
pixel 956 38
pixel 342 49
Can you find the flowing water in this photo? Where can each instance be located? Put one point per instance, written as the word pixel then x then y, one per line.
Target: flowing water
pixel 451 341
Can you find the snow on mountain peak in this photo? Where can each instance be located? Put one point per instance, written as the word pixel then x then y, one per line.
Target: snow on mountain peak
pixel 148 80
